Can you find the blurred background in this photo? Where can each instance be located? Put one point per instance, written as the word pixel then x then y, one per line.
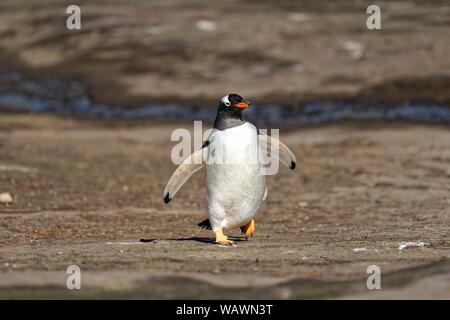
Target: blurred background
pixel 86 118
pixel 134 53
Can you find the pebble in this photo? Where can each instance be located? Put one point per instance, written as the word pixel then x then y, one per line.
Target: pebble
pixel 298 17
pixel 5 198
pixel 355 49
pixel 206 25
pixel 154 30
pixel 303 204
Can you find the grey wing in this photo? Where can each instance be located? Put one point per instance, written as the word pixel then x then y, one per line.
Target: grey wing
pixel 278 150
pixel 187 168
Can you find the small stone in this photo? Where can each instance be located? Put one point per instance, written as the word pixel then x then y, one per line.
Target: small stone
pixel 206 25
pixel 154 30
pixel 355 49
pixel 303 204
pixel 298 16
pixel 5 198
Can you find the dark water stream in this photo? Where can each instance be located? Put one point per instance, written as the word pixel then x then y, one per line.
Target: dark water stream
pixel 18 93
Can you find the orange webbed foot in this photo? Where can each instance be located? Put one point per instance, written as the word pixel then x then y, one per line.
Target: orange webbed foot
pixel 248 229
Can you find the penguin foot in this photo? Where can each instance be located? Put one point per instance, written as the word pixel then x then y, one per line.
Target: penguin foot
pixel 248 229
pixel 223 240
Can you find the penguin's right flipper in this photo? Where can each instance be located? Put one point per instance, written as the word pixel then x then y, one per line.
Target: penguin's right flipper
pixel 187 168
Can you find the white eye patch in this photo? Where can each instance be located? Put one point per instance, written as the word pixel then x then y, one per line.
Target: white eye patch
pixel 225 100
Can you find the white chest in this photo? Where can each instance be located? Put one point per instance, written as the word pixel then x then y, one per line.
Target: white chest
pixel 234 180
pixel 235 146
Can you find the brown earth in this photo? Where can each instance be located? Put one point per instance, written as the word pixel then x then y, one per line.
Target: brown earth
pixel 130 53
pixel 86 191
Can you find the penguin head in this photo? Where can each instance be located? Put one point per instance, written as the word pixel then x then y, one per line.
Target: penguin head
pixel 229 113
pixel 232 105
pixel 233 101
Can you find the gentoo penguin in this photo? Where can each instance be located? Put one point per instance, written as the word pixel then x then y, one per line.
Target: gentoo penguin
pixel 235 180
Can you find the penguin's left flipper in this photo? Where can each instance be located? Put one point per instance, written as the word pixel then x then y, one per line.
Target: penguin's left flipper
pixel 277 147
pixel 187 168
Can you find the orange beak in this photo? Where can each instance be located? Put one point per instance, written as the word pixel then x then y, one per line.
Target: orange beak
pixel 242 105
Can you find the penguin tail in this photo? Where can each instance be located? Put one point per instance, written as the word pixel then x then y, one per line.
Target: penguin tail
pixel 205 224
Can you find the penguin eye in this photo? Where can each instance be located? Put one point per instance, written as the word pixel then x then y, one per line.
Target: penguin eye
pixel 227 103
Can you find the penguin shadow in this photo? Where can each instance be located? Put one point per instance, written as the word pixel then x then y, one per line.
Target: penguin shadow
pixel 236 239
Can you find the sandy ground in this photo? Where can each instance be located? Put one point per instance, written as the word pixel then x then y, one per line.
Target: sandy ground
pixel 86 193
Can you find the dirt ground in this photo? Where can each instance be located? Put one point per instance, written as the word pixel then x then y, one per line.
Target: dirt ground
pixel 86 192
pixel 89 192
